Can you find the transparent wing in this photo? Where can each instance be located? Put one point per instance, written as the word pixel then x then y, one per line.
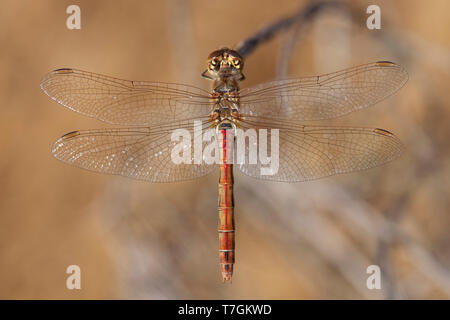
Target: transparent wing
pixel 326 96
pixel 312 152
pixel 141 153
pixel 125 102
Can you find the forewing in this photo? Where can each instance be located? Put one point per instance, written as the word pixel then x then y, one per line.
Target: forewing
pixel 326 96
pixel 125 102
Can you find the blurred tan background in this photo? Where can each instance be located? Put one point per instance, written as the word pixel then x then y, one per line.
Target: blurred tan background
pixel 156 241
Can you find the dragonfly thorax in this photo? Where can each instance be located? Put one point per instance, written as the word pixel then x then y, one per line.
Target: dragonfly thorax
pixel 225 113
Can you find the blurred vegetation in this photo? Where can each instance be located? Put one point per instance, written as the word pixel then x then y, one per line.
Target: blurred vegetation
pixel 294 241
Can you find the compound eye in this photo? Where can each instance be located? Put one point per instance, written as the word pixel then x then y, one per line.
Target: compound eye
pixel 236 63
pixel 214 62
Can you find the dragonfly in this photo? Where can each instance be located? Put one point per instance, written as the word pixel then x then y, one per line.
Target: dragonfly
pixel 147 113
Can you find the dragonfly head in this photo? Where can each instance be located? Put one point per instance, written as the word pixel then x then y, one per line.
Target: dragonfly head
pixel 224 63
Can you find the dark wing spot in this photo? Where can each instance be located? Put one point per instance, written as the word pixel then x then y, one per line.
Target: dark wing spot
pixel 383 132
pixel 70 135
pixel 63 71
pixel 385 64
